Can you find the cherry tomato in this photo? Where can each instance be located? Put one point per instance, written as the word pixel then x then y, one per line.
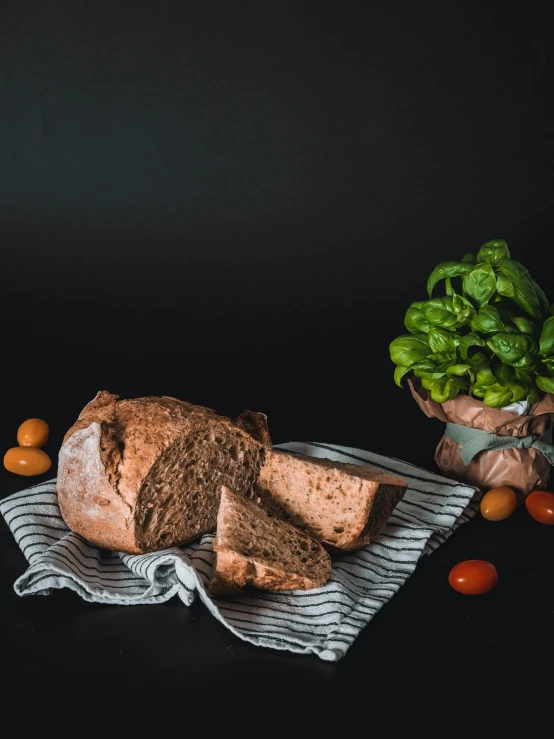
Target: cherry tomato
pixel 498 504
pixel 473 577
pixel 540 504
pixel 27 460
pixel 33 432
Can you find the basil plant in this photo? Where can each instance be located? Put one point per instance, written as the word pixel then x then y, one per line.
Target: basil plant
pixel 491 335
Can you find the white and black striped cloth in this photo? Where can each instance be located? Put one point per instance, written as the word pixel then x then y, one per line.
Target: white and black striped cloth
pixel 324 622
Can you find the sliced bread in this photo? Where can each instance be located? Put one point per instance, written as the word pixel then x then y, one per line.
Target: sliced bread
pixel 255 548
pixel 145 474
pixel 342 505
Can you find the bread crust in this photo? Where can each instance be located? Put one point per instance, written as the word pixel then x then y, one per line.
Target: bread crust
pixel 108 453
pixel 233 573
pixel 255 424
pixel 89 503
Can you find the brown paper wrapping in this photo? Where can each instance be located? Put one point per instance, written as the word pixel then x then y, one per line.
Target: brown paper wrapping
pixel 523 470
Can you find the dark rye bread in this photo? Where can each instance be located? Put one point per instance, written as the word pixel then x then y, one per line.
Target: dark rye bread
pixel 145 474
pixel 342 505
pixel 256 549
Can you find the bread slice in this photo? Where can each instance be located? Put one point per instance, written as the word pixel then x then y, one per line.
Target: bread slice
pixel 255 548
pixel 145 474
pixel 342 505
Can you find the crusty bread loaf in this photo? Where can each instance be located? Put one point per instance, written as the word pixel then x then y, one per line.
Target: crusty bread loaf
pixel 145 474
pixel 254 548
pixel 342 505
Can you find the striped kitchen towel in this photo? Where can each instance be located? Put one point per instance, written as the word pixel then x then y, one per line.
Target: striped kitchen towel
pixel 324 622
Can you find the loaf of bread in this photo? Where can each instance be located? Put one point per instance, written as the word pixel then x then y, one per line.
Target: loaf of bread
pixel 342 505
pixel 145 474
pixel 257 549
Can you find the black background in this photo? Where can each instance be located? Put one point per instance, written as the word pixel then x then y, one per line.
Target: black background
pixel 234 203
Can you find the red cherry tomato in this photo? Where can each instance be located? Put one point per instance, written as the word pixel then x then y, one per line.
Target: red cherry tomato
pixel 473 577
pixel 540 504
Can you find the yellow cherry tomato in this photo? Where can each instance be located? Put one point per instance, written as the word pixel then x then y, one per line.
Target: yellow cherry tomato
pixel 33 432
pixel 27 460
pixel 498 504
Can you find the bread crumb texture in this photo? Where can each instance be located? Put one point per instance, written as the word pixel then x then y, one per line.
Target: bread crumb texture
pixel 343 505
pixel 255 548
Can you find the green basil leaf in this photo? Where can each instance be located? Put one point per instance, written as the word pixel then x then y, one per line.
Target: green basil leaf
pixel 526 293
pixel 546 341
pixel 427 383
pixel 549 364
pixel 399 373
pixel 444 270
pixel 543 300
pixel 480 283
pixel 444 389
pixel 485 377
pixel 533 396
pixel 424 374
pixel 545 383
pixel 527 299
pixel 439 312
pixel 463 309
pixel 469 258
pixel 407 349
pixel 504 285
pixel 471 339
pixel 459 370
pixel 487 321
pixel 478 361
pixel 415 321
pixel 526 376
pixel 440 340
pixel 434 364
pixel 526 362
pixel 533 346
pixel 512 269
pixel 479 391
pixel 519 390
pixel 497 396
pixel 504 373
pixel 509 347
pixel 525 325
pixel 492 251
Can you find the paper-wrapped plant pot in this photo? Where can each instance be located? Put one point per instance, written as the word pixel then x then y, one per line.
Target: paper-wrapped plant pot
pixel 523 469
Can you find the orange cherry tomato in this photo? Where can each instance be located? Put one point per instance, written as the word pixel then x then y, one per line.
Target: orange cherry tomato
pixel 498 504
pixel 473 577
pixel 540 504
pixel 33 432
pixel 27 460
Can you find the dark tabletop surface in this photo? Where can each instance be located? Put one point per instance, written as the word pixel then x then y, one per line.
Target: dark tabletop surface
pixel 234 204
